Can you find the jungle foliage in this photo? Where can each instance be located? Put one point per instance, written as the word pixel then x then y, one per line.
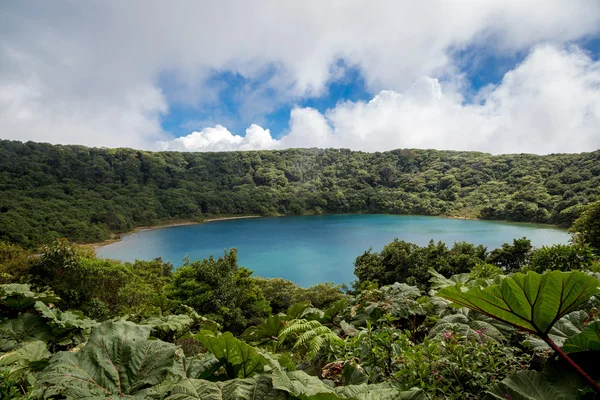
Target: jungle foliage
pixel 89 194
pixel 462 323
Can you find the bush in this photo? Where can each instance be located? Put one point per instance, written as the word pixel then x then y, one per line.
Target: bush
pixel 563 257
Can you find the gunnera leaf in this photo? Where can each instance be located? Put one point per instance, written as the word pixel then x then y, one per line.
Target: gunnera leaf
pixel 566 327
pixel 118 360
pixel 258 387
pixel 18 297
pixel 531 302
pixel 587 340
pixel 306 387
pixel 24 328
pixel 243 358
pixel 531 385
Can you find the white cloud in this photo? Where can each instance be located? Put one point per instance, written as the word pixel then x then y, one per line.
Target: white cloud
pixel 549 103
pixel 89 72
pixel 220 139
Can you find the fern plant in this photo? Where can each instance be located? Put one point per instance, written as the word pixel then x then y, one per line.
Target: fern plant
pixel 309 337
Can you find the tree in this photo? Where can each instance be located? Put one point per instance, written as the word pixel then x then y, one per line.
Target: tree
pixel 101 288
pixel 563 257
pixel 586 228
pixel 511 258
pixel 221 290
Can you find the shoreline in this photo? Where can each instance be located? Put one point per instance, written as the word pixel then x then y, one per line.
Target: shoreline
pixel 119 237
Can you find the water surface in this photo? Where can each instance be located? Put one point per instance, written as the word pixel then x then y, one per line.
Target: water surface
pixel 313 249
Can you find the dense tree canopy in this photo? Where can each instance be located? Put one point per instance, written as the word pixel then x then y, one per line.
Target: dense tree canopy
pixel 587 227
pixel 87 194
pixel 221 290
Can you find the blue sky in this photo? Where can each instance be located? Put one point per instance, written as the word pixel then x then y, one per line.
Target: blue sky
pixel 496 76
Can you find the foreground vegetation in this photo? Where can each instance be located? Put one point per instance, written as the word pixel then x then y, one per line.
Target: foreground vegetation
pixel 420 323
pixel 88 194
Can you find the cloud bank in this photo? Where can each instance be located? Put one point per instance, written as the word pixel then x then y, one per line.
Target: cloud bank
pixel 549 103
pixel 93 72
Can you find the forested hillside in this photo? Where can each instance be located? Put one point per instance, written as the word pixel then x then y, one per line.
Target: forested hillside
pixel 86 194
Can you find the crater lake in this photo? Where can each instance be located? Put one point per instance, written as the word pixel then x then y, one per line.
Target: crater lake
pixel 313 249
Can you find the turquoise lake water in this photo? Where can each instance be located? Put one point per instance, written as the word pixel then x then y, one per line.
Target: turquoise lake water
pixel 313 249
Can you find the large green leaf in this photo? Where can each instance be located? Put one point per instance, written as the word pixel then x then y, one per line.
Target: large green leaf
pixel 559 373
pixel 258 387
pixel 243 360
pixel 201 367
pixel 587 340
pixel 169 326
pixel 531 302
pixel 298 310
pixel 68 327
pixel 402 299
pixel 268 331
pixel 117 361
pixel 566 327
pixel 30 357
pixel 19 297
pixel 305 387
pixel 381 391
pixel 471 325
pixel 531 385
pixel 439 281
pixel 332 314
pixel 201 321
pixel 24 328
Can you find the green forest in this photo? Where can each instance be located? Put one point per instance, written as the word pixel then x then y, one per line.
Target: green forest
pixel 419 323
pixel 90 194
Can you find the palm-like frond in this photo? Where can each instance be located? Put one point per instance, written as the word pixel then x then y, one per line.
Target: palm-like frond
pixel 308 336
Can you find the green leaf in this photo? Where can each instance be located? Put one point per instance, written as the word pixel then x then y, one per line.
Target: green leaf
pixel 354 374
pixel 559 373
pixel 471 325
pixel 244 358
pixel 439 281
pixel 566 327
pixel 118 360
pixel 169 326
pixel 268 331
pixel 309 336
pixel 331 314
pixel 31 351
pixel 20 362
pixel 348 329
pixel 24 328
pixel 202 367
pixel 67 326
pixel 381 391
pixel 587 340
pixel 19 297
pixel 301 385
pixel 298 310
pixel 259 387
pixel 531 302
pixel 201 321
pixel 530 385
pixel 305 387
